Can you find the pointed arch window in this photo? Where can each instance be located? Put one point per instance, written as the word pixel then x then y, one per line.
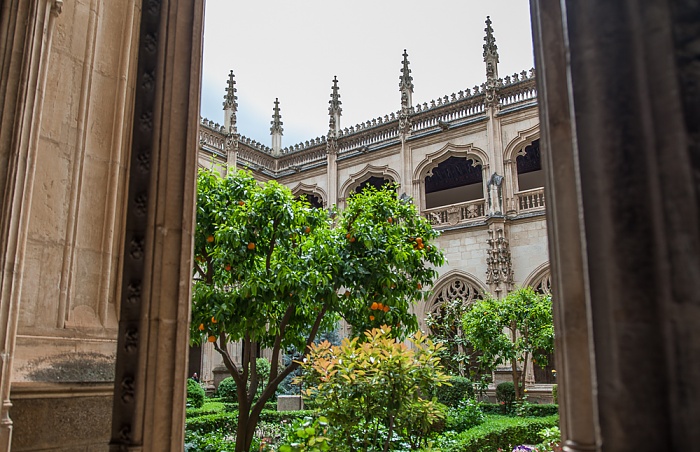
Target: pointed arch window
pixel 455 180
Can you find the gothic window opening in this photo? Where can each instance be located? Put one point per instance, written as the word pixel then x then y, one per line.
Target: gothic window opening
pixel 455 180
pixel 312 199
pixel 445 326
pixel 529 165
pixel 374 181
pixel 544 374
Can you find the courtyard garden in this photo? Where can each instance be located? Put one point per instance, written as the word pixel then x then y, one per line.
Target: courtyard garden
pixel 273 273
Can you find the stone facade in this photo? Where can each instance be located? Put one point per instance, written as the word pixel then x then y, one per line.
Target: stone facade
pixel 470 161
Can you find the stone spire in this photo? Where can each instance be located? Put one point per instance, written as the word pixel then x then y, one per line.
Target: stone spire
pixel 406 89
pixel 406 83
pixel 276 129
pixel 334 110
pixel 490 52
pixel 230 105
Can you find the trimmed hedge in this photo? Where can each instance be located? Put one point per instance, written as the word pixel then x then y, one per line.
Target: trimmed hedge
pixel 208 408
pixel 234 406
pixel 531 409
pixel 228 420
pixel 497 432
pixel 461 388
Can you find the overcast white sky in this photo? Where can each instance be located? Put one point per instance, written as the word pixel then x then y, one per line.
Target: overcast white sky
pixel 291 49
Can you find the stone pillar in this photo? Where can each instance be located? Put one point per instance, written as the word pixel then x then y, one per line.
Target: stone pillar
pixel 26 29
pixel 619 108
pixel 149 392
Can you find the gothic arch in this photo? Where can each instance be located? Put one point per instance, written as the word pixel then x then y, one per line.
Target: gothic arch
pixel 540 279
pixel 524 138
pixel 365 173
pixel 310 189
pixel 455 284
pixel 432 160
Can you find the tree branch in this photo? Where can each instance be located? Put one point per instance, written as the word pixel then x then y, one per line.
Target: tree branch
pixel 228 362
pixel 272 245
pixel 274 367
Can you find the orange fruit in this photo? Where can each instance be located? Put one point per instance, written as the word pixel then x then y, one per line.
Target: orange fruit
pixel 374 306
pixel 386 309
pixel 419 286
pixel 227 267
pixel 307 229
pixel 380 306
pixel 211 339
pixel 213 320
pixel 241 203
pixel 251 246
pixel 419 240
pixel 390 220
pixel 348 235
pixel 347 293
pixel 201 327
pixel 371 318
pixel 210 239
pixel 352 239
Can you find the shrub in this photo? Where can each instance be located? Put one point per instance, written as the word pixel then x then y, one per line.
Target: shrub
pixel 497 432
pixel 555 397
pixel 195 394
pixel 464 416
pixel 533 410
pixel 306 435
pixel 210 423
pixel 209 442
pixel 208 407
pixel 227 390
pixel 505 393
pixel 461 389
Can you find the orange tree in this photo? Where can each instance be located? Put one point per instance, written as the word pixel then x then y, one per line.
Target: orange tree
pixel 511 330
pixel 270 271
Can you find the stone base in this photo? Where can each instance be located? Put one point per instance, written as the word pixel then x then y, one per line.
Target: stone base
pixel 290 403
pixel 54 417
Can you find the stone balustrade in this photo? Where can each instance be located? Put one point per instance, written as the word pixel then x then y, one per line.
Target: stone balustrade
pixel 455 214
pixel 529 200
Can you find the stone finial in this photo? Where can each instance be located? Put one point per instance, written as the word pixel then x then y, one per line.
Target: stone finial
pixel 276 119
pixel 230 96
pixel 405 80
pixel 276 129
pixel 490 52
pixel 334 110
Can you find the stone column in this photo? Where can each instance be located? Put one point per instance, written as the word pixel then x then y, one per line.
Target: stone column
pixel 619 107
pixel 26 30
pixel 149 393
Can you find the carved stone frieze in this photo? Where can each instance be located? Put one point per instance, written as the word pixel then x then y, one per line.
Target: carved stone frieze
pixel 499 271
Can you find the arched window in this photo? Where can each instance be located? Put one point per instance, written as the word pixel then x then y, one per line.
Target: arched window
pixel 451 298
pixel 312 199
pixel 529 166
pixel 453 181
pixel 374 181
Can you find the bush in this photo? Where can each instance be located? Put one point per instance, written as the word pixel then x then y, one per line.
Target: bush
pixel 555 397
pixel 498 432
pixel 464 416
pixel 533 410
pixel 460 390
pixel 505 393
pixel 209 442
pixel 195 394
pixel 227 390
pixel 211 423
pixel 208 407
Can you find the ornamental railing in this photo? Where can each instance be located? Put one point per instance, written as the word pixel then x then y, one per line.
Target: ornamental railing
pixel 530 200
pixel 455 214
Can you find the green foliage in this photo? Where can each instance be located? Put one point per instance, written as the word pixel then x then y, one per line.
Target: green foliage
pixel 269 269
pixel 208 407
pixel 459 389
pixel 227 389
pixel 210 423
pixel 511 331
pixel 195 394
pixel 497 432
pixel 535 410
pixel 551 440
pixel 306 435
pixel 208 442
pixel 505 393
pixel 555 394
pixel 371 391
pixel 465 415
